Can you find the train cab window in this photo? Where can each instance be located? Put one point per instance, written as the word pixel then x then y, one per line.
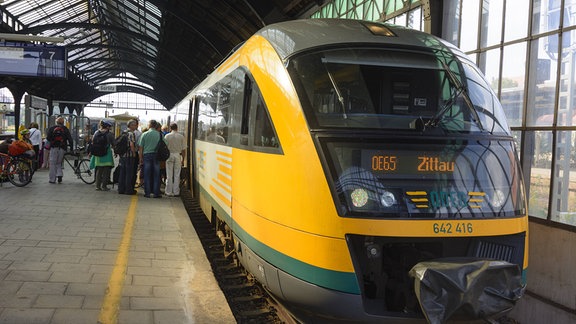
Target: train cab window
pixel 386 89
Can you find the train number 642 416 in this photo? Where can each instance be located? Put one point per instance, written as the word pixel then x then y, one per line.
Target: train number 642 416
pixel 453 228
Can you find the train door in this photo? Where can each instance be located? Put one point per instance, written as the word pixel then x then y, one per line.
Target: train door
pixel 192 131
pixel 185 126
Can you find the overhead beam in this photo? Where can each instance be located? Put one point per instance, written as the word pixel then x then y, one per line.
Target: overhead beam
pixel 56 101
pixel 31 38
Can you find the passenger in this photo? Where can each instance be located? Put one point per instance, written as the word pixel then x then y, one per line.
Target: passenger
pixel 105 163
pixel 147 152
pixel 165 129
pixel 87 136
pixel 140 171
pixel 59 138
pixel 128 163
pixel 137 134
pixel 213 136
pixel 36 140
pixel 160 128
pixel 25 136
pixel 45 154
pixel 20 129
pixel 177 146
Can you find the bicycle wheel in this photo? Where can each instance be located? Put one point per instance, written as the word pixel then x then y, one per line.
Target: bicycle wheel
pixel 20 172
pixel 87 175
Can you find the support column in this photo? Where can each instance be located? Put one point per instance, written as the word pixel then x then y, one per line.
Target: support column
pixel 17 94
pixel 50 107
pixel 432 17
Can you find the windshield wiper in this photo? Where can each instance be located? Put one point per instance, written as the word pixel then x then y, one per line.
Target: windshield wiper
pixel 439 116
pixel 336 89
pixel 460 90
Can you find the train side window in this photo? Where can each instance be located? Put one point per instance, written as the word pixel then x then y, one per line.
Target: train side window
pixel 214 113
pixel 206 108
pixel 244 126
pixel 256 127
pixel 264 134
pixel 223 111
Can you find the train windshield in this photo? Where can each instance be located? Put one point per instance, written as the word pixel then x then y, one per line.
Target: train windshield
pixel 371 88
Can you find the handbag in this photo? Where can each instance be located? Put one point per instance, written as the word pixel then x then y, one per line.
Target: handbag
pixel 162 151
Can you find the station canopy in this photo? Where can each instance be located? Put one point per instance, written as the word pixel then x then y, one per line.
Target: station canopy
pixel 157 48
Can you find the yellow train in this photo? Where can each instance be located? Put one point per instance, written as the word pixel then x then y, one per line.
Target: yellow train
pixel 362 172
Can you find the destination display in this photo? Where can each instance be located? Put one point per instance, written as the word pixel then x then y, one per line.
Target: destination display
pixel 406 162
pixel 33 61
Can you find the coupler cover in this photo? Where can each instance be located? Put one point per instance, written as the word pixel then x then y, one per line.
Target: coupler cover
pixel 466 288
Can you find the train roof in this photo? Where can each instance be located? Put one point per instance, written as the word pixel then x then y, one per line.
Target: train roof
pixel 294 36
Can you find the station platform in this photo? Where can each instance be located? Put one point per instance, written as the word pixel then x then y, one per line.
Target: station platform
pixel 71 254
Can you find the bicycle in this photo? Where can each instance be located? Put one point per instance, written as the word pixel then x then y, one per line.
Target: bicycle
pixel 17 169
pixel 80 165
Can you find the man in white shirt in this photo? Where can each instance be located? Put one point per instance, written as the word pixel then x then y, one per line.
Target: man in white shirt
pixel 177 146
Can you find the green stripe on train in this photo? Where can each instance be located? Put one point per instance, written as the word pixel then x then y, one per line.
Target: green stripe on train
pixel 337 280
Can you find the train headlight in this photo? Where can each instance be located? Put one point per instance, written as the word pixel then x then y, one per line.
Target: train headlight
pixel 498 199
pixel 359 197
pixel 387 199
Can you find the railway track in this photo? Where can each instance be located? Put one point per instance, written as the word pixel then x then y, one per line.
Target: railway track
pixel 248 300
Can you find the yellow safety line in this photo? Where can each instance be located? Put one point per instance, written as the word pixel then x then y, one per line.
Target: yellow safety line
pixel 111 303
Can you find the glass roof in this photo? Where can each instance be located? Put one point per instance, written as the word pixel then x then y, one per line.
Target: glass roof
pixel 170 46
pixel 103 38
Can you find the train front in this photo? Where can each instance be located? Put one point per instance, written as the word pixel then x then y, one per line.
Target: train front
pixel 424 175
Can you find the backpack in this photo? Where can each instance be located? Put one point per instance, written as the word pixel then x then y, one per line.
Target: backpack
pixel 121 145
pixel 162 151
pixel 99 144
pixel 58 137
